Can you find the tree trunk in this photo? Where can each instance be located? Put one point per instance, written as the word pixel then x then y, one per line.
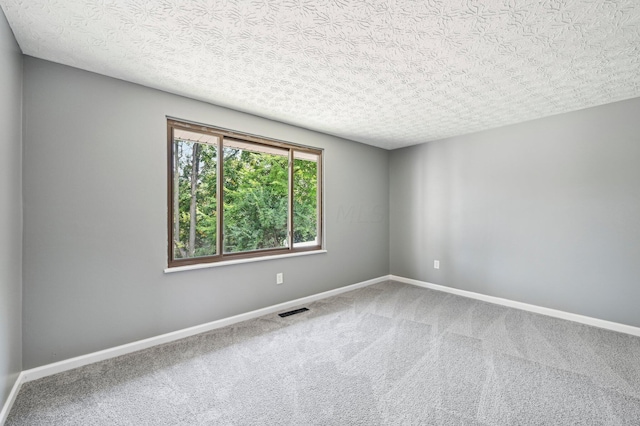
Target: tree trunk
pixel 195 165
pixel 176 201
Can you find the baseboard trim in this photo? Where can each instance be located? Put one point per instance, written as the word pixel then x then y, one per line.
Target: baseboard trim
pixel 71 363
pixel 609 325
pixel 11 399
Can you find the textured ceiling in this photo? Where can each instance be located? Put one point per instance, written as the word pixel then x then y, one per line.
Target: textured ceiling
pixel 388 73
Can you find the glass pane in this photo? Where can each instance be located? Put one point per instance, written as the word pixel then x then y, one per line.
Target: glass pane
pixel 255 196
pixel 305 199
pixel 195 194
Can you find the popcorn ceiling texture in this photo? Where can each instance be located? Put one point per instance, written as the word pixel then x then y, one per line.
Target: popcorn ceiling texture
pixel 387 73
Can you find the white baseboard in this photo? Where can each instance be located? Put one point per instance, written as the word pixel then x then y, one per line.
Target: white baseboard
pixel 71 363
pixel 11 399
pixel 609 325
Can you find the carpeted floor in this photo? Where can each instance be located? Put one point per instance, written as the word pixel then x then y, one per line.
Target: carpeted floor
pixel 385 354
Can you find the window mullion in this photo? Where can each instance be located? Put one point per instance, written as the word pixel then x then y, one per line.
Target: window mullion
pixel 290 221
pixel 319 201
pixel 220 196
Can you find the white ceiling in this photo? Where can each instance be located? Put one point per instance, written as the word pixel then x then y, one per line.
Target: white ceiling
pixel 389 73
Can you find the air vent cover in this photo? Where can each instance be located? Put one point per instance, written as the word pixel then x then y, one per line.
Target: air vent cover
pixel 297 311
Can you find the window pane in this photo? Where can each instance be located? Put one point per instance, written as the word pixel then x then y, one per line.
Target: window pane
pixel 194 195
pixel 267 200
pixel 305 199
pixel 256 194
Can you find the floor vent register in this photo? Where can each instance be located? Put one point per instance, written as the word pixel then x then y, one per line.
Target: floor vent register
pixel 296 311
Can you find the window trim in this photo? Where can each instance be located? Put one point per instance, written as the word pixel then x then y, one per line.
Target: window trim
pixel 240 257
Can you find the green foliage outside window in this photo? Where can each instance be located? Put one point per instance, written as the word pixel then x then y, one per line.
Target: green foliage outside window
pixel 204 175
pixel 256 199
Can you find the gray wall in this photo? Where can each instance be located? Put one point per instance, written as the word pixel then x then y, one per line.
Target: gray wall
pixel 95 218
pixel 545 212
pixel 10 210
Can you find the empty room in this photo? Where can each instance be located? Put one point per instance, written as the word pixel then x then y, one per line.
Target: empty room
pixel 320 212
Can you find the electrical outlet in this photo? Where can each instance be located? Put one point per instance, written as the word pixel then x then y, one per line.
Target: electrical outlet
pixel 279 278
pixel 436 264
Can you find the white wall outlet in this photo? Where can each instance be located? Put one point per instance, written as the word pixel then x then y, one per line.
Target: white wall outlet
pixel 279 278
pixel 436 264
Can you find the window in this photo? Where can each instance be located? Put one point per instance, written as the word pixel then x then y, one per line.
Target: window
pixel 233 195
